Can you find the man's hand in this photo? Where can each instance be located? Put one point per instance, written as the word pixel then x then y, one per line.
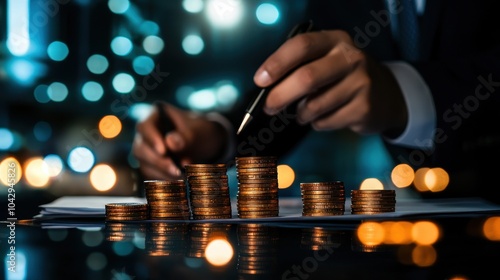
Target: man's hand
pixel 196 139
pixel 337 84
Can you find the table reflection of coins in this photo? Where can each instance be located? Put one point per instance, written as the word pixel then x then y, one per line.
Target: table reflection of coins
pixel 167 199
pixel 208 191
pixel 127 211
pixel 166 239
pixel 318 238
pixel 117 231
pixel 373 201
pixel 323 198
pixel 257 187
pixel 201 234
pixel 257 250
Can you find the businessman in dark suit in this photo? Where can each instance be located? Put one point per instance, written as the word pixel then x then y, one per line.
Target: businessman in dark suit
pixel 425 75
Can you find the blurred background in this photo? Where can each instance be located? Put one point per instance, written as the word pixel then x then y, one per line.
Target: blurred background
pixel 76 76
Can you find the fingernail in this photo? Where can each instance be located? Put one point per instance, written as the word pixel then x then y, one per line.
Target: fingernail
pixel 270 111
pixel 262 78
pixel 174 171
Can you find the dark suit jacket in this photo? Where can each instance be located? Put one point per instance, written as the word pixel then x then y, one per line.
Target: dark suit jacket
pixel 460 63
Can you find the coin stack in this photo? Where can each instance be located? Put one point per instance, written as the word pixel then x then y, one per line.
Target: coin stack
pixel 257 187
pixel 167 199
pixel 323 198
pixel 128 211
pixel 208 191
pixel 257 251
pixel 318 238
pixel 202 234
pixel 373 201
pixel 117 231
pixel 166 239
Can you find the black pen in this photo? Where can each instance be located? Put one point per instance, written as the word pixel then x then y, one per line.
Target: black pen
pixel 298 29
pixel 165 126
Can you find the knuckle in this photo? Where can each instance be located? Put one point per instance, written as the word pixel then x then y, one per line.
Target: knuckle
pixel 307 77
pixel 304 42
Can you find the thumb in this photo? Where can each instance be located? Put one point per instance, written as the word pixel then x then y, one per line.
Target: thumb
pixel 175 141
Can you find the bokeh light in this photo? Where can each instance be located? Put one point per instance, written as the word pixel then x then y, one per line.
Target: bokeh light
pixel 102 177
pixel 402 175
pixel 97 64
pixel 425 233
pixel 37 172
pixel 54 163
pixel 436 179
pixel 371 184
pixel 193 44
pixel 226 94
pixel 6 139
pixel 92 238
pixel 370 233
pixel 424 256
pixel 92 91
pixel 419 181
pixel 118 6
pixel 224 13
pixel 123 83
pixel 153 44
pixel 121 46
pixel 11 166
pixel 193 6
pixel 81 159
pixel 57 51
pixel 148 27
pixel 267 13
pixel 110 126
pixel 40 94
pixel 123 248
pixel 219 252
pixel 397 232
pixel 143 65
pixel 96 261
pixel 491 228
pixel 140 111
pixel 202 100
pixel 57 92
pixel 42 131
pixel 286 176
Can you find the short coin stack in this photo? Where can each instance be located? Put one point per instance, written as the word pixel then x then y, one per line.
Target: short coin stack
pixel 323 198
pixel 373 201
pixel 208 191
pixel 167 199
pixel 257 187
pixel 126 211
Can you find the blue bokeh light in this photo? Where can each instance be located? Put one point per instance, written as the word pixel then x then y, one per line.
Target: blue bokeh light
pixel 57 51
pixel 57 92
pixel 267 13
pixel 92 91
pixel 81 159
pixel 97 64
pixel 143 65
pixel 123 83
pixel 193 44
pixel 42 131
pixel 121 46
pixel 6 139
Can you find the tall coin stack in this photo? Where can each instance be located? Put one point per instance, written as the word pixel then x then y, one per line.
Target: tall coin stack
pixel 167 199
pixel 257 251
pixel 323 198
pixel 373 201
pixel 128 211
pixel 208 191
pixel 257 187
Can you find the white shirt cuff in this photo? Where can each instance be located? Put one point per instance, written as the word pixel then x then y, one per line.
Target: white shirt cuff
pixel 419 132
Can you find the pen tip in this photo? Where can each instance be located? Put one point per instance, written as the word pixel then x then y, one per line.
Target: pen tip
pixel 245 121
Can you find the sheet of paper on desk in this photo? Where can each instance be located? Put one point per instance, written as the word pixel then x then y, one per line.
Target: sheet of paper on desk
pixel 84 205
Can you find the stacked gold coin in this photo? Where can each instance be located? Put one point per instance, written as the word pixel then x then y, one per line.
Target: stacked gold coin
pixel 117 231
pixel 257 187
pixel 166 239
pixel 373 201
pixel 167 199
pixel 257 251
pixel 202 234
pixel 323 198
pixel 126 211
pixel 208 191
pixel 318 238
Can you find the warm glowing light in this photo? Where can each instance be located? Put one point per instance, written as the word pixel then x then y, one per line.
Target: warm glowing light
pixel 397 232
pixel 219 252
pixel 425 233
pixel 424 256
pixel 371 184
pixel 491 228
pixel 419 180
pixel 37 172
pixel 402 175
pixel 286 176
pixel 371 233
pixel 102 177
pixel 436 179
pixel 10 168
pixel 110 126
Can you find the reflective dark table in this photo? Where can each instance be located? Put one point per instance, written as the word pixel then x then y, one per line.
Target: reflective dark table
pixel 441 247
